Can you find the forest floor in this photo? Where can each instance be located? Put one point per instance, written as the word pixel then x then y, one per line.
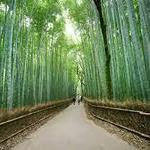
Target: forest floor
pixel 72 130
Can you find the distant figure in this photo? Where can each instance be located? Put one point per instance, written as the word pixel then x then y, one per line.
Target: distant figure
pixel 74 100
pixel 80 99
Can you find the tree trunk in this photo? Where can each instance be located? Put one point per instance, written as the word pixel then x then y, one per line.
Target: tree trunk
pixel 98 4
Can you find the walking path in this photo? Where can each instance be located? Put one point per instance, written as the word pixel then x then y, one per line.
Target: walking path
pixel 71 130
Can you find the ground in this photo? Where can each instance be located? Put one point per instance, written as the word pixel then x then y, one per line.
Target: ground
pixel 71 130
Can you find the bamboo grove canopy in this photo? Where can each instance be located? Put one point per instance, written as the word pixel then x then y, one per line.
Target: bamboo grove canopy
pixel 108 51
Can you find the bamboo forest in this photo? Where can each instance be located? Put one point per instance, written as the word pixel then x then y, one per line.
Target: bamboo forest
pixel 110 53
pixel 56 50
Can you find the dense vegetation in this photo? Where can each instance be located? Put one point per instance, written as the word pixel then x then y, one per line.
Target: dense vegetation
pixel 110 55
pixel 117 58
pixel 34 66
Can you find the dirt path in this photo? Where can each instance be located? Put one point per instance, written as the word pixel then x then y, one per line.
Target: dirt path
pixel 71 130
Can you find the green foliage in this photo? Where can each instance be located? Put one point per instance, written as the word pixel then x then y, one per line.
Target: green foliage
pixel 33 50
pixel 127 23
pixel 128 40
pixel 38 63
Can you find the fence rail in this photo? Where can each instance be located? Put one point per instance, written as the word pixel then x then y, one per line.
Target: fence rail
pixel 44 112
pixel 95 109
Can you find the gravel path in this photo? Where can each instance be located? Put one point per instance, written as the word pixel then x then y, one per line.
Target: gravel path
pixel 71 130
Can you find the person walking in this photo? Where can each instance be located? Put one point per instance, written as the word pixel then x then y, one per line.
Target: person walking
pixel 74 101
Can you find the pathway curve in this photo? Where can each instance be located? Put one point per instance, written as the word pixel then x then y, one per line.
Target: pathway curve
pixel 71 130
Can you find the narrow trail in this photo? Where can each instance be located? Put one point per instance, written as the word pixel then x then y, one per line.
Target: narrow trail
pixel 71 130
